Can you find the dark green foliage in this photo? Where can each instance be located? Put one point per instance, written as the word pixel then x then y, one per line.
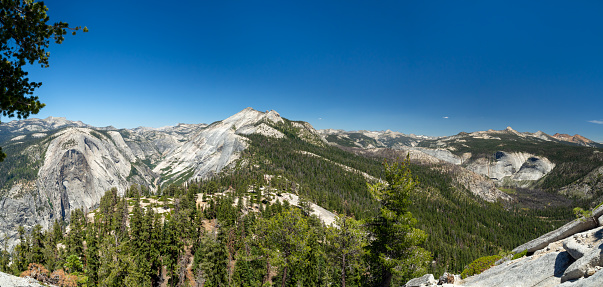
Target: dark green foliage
pixel 320 181
pixel 92 256
pixel 136 246
pixel 211 262
pixel 20 253
pixel 345 245
pixel 351 139
pixel 462 227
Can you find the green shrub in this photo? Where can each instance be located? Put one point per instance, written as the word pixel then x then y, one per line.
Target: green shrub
pixel 520 254
pixel 479 265
pixel 582 214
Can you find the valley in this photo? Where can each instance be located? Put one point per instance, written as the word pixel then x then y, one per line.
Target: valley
pixel 478 193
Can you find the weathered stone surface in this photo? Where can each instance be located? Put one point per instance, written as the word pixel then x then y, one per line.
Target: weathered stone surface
pixel 584 242
pixel 583 265
pixel 562 232
pixel 598 212
pixel 425 280
pixel 594 280
pixel 516 166
pixel 7 280
pixel 529 271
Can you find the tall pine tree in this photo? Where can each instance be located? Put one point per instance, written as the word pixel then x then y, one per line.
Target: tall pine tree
pixel 394 253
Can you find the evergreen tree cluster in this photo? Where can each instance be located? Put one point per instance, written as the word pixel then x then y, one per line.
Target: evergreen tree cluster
pixel 211 235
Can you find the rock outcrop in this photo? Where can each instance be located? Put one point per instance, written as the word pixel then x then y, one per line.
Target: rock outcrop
pixel 515 166
pixel 577 139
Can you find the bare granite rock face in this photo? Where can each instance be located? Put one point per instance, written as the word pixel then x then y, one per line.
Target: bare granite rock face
pixel 514 166
pixel 426 280
pixel 584 265
pixel 216 146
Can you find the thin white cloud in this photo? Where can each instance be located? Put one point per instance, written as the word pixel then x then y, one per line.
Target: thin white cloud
pixel 596 122
pixel 320 119
pixel 445 117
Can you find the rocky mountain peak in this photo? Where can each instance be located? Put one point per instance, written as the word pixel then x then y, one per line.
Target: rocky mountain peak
pixel 578 139
pixel 249 116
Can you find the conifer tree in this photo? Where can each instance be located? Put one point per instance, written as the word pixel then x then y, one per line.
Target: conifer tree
pixel 92 256
pixel 395 254
pixel 4 256
pixel 211 262
pixel 345 242
pixel 283 239
pixel 20 252
pixel 37 245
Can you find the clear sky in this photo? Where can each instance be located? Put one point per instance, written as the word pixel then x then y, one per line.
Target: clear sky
pixel 424 67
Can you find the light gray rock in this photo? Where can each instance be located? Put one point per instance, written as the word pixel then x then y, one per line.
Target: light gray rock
pixel 582 266
pixel 562 232
pixel 598 212
pixel 425 280
pixel 515 166
pixel 542 271
pixel 594 280
pixel 582 243
pixel 7 280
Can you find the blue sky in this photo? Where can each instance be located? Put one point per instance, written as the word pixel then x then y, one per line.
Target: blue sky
pixel 425 67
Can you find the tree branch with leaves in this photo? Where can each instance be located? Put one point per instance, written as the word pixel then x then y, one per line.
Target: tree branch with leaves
pixel 25 36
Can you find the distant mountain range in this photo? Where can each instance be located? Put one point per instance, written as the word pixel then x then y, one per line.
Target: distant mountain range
pixel 55 166
pixel 390 139
pixel 570 165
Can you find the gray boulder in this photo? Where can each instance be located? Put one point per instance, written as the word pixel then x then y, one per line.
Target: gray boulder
pixel 425 280
pixel 598 212
pixel 594 280
pixel 562 232
pixel 586 264
pixel 582 243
